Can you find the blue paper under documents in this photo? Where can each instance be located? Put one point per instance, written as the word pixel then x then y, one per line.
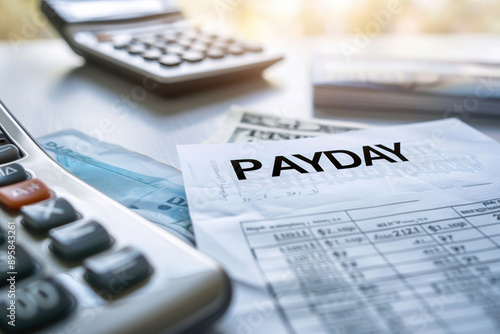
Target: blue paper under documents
pixel 159 198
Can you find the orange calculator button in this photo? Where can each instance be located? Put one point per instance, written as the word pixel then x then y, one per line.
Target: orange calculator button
pixel 24 193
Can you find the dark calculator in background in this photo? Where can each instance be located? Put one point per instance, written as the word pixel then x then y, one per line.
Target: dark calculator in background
pixel 150 41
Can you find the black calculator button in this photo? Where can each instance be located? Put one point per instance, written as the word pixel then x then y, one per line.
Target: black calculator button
pixel 8 153
pixel 116 272
pixel 215 53
pixel 37 304
pixel 79 241
pixel 170 60
pixel 43 216
pixel 22 267
pixel 11 174
pixel 193 56
pixel 3 138
pixel 153 54
pixel 236 50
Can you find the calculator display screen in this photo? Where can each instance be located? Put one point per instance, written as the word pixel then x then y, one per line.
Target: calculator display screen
pixel 73 11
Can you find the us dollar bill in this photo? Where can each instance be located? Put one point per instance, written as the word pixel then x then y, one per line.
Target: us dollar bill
pixel 243 125
pixel 148 187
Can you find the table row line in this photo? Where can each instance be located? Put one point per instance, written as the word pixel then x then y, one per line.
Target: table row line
pixel 288 281
pixel 443 292
pixel 373 223
pixel 463 231
pixel 421 258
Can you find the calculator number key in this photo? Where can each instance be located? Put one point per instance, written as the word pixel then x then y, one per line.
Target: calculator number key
pixel 16 261
pixel 36 305
pixel 11 174
pixel 116 272
pixel 43 216
pixel 76 242
pixel 8 153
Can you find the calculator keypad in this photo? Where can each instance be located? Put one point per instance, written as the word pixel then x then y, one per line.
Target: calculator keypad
pixel 190 44
pixel 40 300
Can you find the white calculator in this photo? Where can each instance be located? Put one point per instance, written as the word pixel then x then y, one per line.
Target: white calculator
pixel 73 260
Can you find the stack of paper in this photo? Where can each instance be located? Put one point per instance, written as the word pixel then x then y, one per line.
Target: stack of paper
pixel 453 89
pixel 373 231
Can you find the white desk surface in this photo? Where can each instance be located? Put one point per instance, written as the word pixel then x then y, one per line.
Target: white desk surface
pixel 49 88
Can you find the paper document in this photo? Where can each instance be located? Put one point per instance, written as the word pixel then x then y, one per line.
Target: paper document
pixel 390 230
pixel 405 84
pixel 243 125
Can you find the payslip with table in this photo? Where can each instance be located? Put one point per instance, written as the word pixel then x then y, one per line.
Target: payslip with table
pixel 369 231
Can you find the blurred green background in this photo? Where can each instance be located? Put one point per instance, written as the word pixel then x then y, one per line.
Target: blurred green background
pixel 21 19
